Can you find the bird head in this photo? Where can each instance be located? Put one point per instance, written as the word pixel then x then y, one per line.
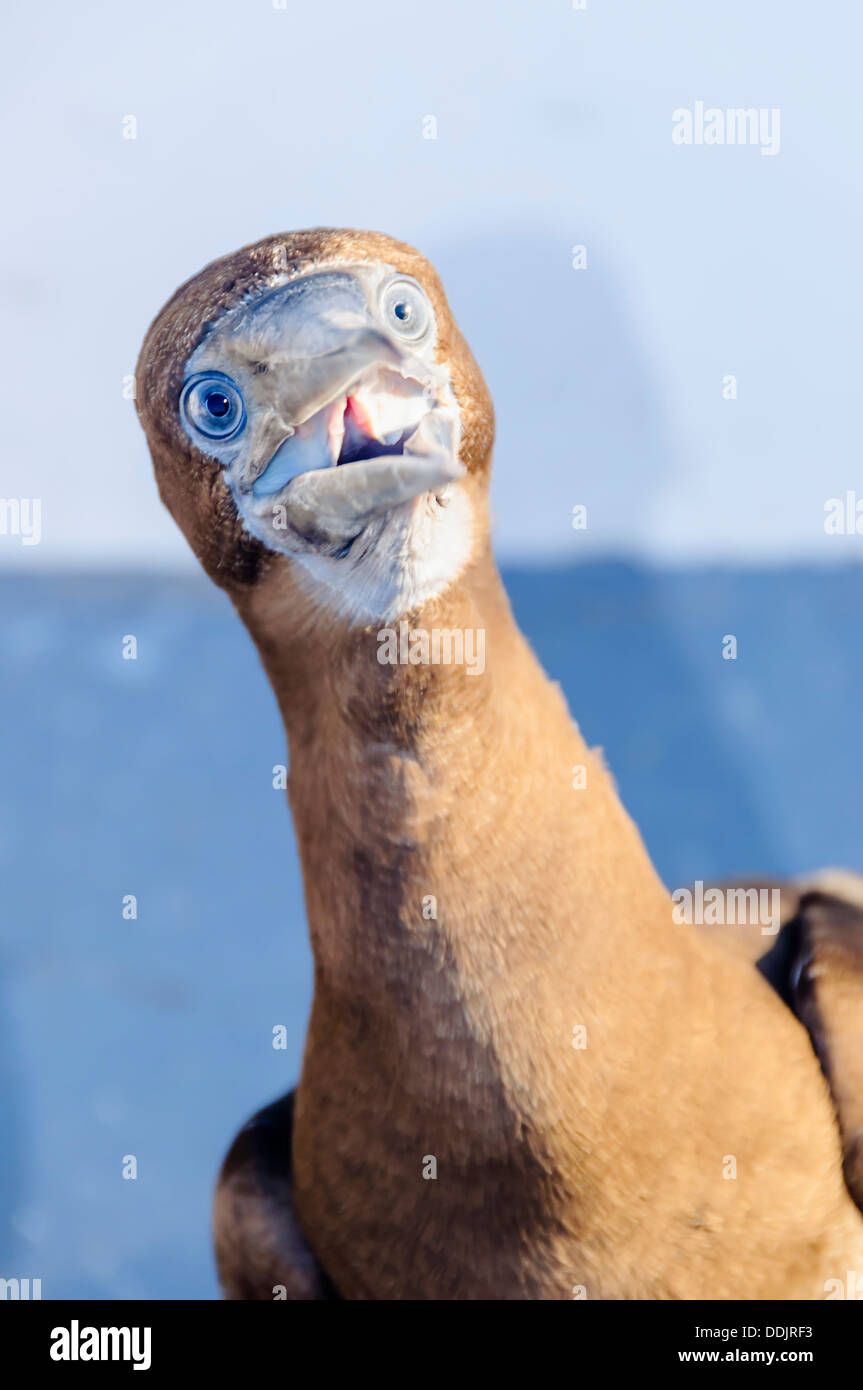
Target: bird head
pixel 310 403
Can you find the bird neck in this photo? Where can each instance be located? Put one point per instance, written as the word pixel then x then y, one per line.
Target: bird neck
pixel 444 801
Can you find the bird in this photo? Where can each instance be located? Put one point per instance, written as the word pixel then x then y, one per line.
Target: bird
pixel 522 1078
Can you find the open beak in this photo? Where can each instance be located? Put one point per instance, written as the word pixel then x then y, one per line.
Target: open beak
pixel 371 428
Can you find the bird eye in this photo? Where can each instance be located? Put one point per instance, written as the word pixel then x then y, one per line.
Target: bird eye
pixel 213 405
pixel 406 309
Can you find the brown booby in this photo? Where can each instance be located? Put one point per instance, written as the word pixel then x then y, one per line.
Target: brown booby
pixel 522 1079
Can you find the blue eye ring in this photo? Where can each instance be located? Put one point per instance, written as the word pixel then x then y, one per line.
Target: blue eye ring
pixel 406 309
pixel 213 405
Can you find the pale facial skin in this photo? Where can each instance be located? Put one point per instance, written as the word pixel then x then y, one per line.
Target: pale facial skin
pixel 339 433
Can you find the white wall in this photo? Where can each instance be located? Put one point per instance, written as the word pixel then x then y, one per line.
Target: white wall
pixel 554 128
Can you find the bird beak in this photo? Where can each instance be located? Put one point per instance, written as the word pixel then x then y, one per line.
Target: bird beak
pixel 344 422
pixel 368 435
pixel 339 502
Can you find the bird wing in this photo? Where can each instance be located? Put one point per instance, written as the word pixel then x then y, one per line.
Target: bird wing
pixel 825 986
pixel 815 964
pixel 261 1252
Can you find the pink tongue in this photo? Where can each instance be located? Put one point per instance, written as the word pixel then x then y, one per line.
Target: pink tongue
pixel 359 435
pixel 357 419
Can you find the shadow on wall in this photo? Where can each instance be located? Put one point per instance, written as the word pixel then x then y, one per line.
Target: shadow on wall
pixel 580 418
